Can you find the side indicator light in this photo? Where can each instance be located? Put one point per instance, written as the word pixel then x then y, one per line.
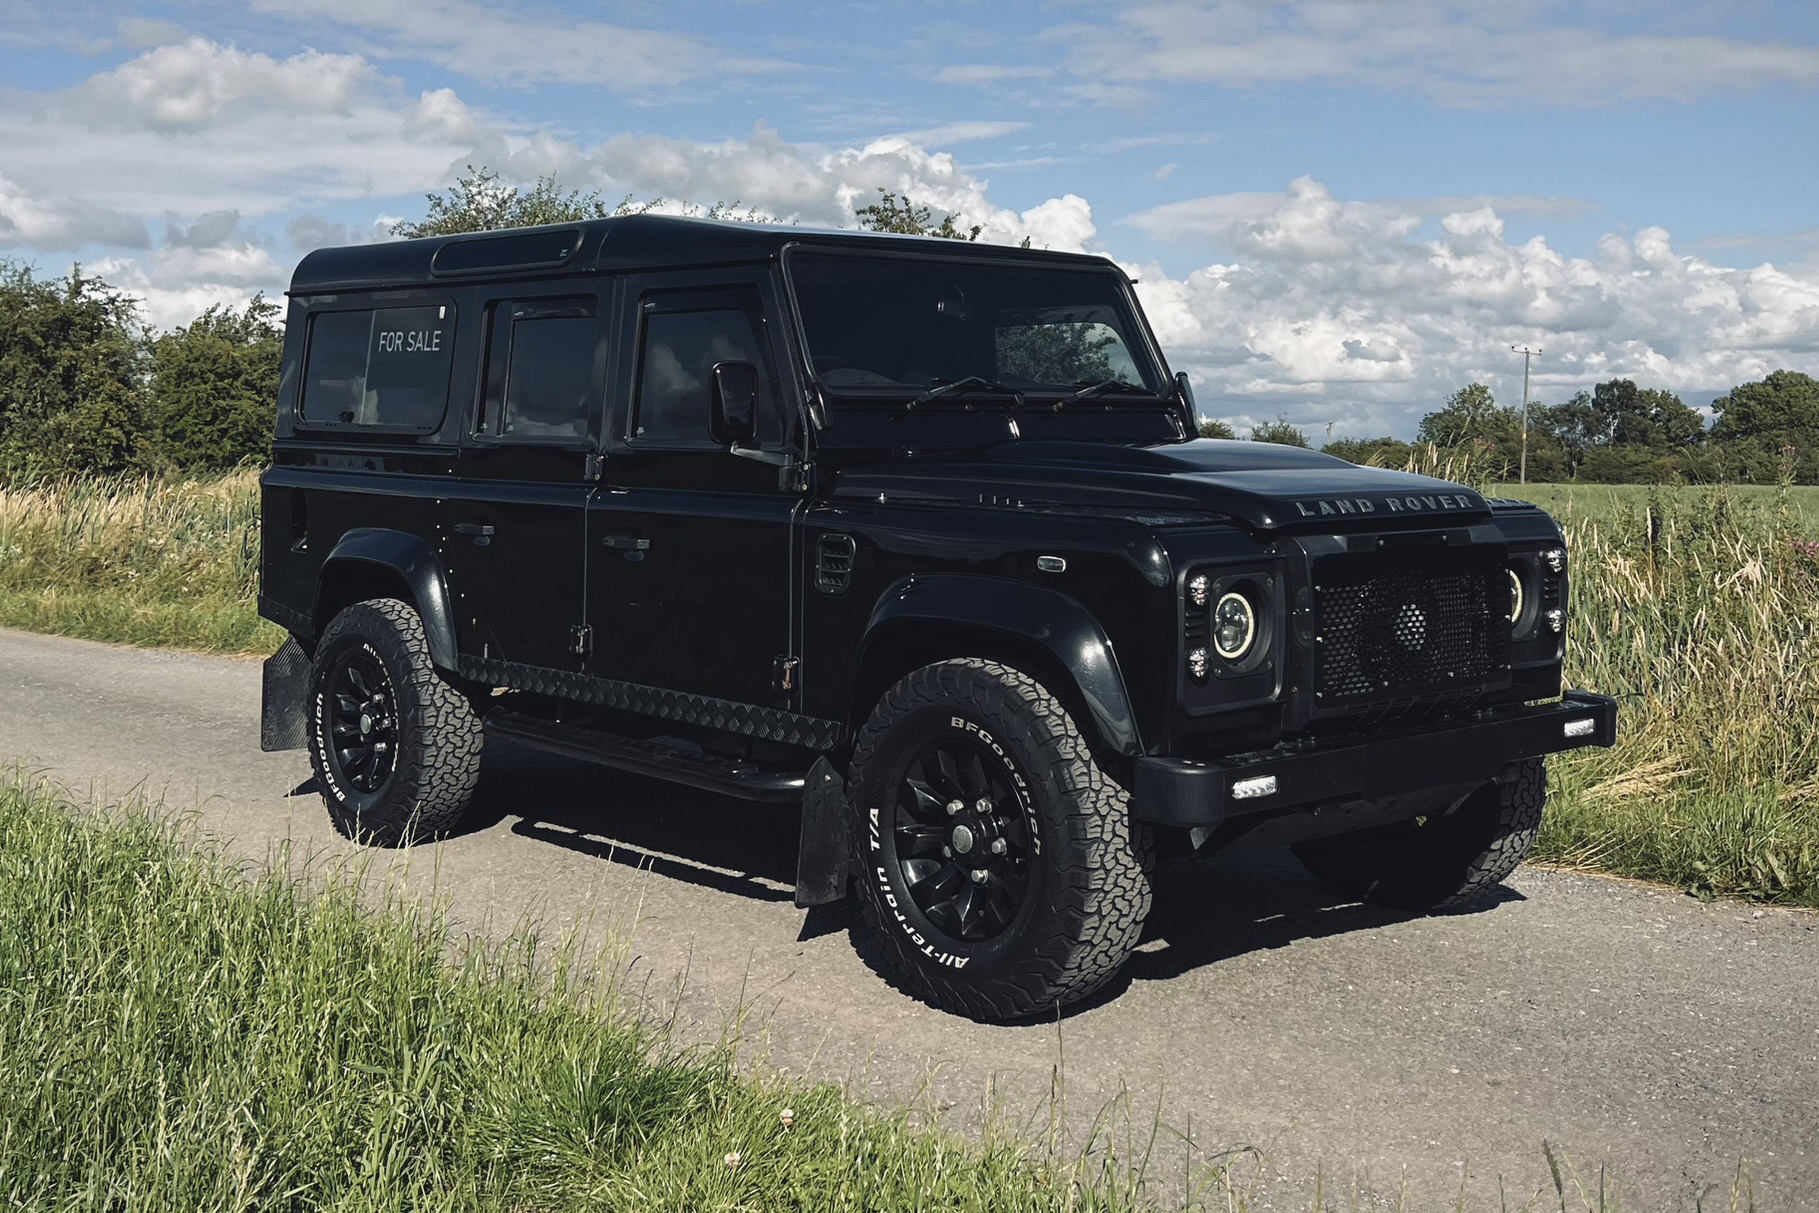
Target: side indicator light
pixel 1252 788
pixel 1580 728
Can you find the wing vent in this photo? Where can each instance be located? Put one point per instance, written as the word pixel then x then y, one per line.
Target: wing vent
pixel 834 563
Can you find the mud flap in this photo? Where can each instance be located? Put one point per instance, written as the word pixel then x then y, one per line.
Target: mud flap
pixel 823 855
pixel 281 715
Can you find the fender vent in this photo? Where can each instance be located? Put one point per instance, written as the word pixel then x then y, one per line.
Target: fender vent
pixel 834 563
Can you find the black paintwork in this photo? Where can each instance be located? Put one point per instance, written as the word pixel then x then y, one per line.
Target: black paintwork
pixel 756 603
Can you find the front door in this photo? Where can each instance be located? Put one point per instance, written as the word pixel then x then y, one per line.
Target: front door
pixel 517 512
pixel 689 544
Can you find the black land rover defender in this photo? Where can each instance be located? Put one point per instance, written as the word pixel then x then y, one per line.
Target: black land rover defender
pixel 913 535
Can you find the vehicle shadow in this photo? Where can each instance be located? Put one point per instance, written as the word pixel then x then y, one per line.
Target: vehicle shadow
pixel 1205 911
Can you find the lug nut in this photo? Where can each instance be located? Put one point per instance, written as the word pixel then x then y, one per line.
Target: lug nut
pixel 999 846
pixel 955 807
pixel 982 807
pixel 980 875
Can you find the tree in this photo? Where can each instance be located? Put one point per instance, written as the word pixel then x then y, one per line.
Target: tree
pixel 72 374
pixel 1634 416
pixel 1471 415
pixel 1279 432
pixel 214 386
pixel 1782 408
pixel 1212 427
pixel 1372 452
pixel 904 218
pixel 480 201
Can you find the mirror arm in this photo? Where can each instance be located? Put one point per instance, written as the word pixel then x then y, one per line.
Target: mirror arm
pixel 780 459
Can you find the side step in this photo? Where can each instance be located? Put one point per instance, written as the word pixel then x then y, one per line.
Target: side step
pixel 690 768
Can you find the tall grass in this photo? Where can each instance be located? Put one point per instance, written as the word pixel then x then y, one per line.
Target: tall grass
pixel 176 1036
pixel 167 562
pixel 1701 611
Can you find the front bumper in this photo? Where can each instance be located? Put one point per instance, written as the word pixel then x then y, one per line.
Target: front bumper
pixel 1185 792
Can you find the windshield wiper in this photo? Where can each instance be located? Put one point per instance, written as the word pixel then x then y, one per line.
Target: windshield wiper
pixel 972 383
pixel 1102 387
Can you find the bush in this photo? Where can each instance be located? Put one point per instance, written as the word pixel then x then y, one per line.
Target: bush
pixel 214 389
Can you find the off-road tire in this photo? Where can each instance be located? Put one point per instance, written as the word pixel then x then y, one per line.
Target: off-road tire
pixel 1447 862
pixel 438 736
pixel 1088 890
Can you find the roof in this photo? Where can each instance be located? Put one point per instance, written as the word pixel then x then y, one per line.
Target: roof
pixel 628 242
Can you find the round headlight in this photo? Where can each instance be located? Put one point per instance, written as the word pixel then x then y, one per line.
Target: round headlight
pixel 1234 626
pixel 1516 595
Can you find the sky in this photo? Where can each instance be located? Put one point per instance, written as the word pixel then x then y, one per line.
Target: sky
pixel 1338 211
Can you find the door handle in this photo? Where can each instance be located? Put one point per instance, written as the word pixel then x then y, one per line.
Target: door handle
pixel 482 533
pixel 627 543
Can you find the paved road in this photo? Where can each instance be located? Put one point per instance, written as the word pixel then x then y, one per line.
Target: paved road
pixel 1626 1025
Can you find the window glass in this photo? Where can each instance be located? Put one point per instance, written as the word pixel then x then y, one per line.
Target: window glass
pixel 680 350
pixel 1062 351
pixel 387 367
pixel 549 386
pixel 888 327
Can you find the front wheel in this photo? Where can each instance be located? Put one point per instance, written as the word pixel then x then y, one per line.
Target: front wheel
pixel 396 749
pixel 995 859
pixel 1444 862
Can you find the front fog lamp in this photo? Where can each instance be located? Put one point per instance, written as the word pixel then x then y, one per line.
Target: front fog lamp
pixel 1516 596
pixel 1234 626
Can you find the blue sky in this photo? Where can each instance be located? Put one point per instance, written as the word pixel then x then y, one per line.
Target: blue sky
pixel 1340 209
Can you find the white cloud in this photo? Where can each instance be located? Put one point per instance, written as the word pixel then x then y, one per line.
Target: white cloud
pixel 960 132
pixel 1459 53
pixel 65 223
pixel 990 73
pixel 511 45
pixel 1367 314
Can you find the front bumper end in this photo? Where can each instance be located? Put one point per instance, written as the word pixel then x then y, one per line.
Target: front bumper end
pixel 1187 792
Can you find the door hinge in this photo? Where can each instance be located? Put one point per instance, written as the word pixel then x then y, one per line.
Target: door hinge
pixel 596 466
pixel 783 672
pixel 581 640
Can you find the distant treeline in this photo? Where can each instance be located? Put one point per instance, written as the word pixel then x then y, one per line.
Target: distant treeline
pixel 87 386
pixel 1617 433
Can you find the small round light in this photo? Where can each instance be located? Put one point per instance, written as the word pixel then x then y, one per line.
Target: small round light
pixel 1196 663
pixel 1516 595
pixel 1555 559
pixel 1556 619
pixel 1198 589
pixel 1234 626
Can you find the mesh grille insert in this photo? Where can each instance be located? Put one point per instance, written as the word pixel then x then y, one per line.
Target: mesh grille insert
pixel 1392 623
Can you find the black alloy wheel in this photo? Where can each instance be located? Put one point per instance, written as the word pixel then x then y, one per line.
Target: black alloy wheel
pixel 363 725
pixel 394 744
pixel 963 838
pixel 996 864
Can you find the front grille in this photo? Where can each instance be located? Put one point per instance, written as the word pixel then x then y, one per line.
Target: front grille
pixel 1408 622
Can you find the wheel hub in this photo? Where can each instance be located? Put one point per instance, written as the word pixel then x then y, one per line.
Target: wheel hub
pixel 361 728
pixel 962 834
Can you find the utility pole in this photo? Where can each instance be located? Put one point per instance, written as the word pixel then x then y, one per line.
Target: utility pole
pixel 1526 355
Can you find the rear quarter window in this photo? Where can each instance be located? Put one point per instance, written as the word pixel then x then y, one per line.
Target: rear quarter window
pixel 381 367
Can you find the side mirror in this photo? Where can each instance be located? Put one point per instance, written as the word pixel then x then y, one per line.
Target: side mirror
pixel 734 419
pixel 1186 389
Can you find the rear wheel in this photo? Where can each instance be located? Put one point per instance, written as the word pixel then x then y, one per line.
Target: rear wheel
pixel 396 749
pixel 995 859
pixel 1443 862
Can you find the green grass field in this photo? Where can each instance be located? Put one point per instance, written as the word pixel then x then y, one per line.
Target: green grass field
pixel 179 1036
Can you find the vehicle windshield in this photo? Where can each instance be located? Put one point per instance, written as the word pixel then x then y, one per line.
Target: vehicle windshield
pixel 889 325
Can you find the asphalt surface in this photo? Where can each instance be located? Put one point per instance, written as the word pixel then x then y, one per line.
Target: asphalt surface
pixel 1628 1026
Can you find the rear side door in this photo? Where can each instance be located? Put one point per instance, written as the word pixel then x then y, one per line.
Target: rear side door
pixel 690 544
pixel 517 515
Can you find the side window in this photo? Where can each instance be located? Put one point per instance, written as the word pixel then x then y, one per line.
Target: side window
pixel 675 368
pixel 540 376
pixel 380 367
